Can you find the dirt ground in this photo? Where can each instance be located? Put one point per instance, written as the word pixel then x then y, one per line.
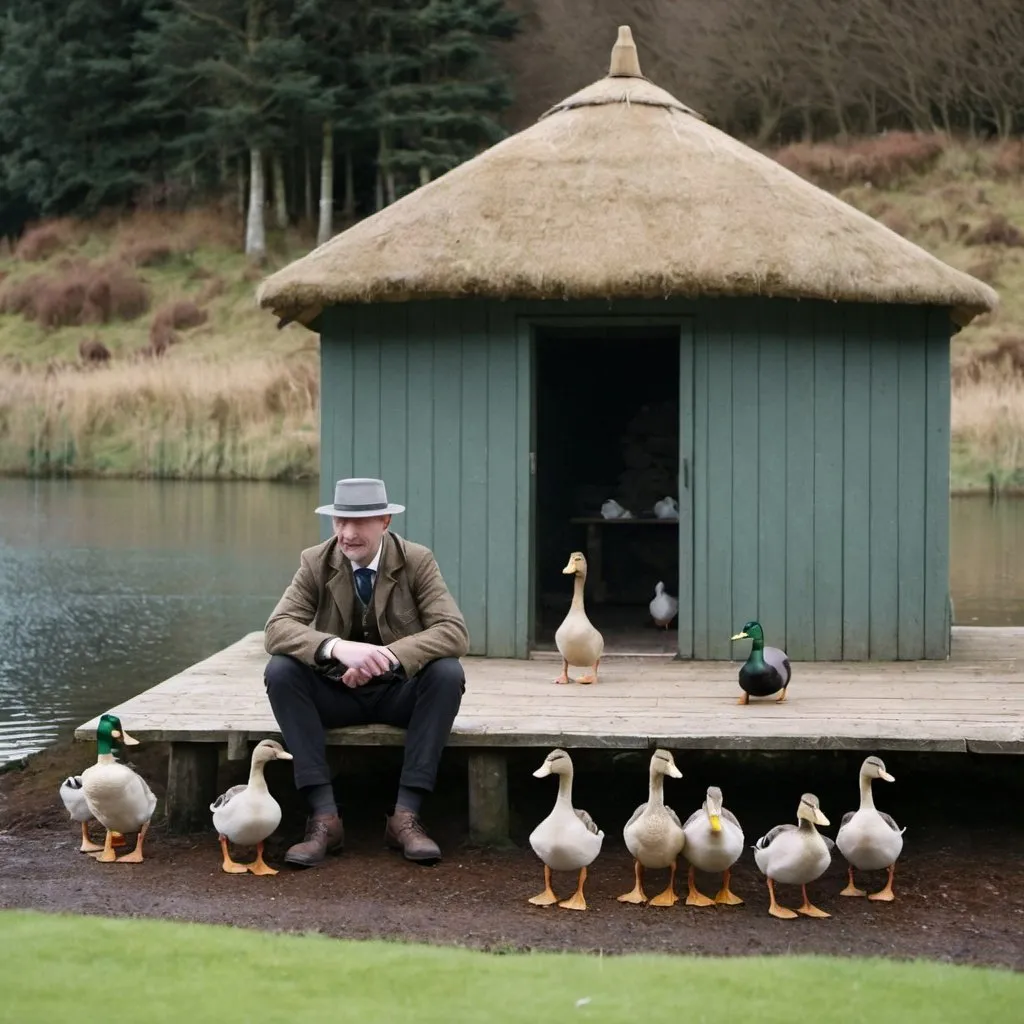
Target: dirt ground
pixel 959 884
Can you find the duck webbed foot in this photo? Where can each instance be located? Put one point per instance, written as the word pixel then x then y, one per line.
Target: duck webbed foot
pixel 636 894
pixel 851 889
pixel 886 894
pixel 576 900
pixel 259 866
pixel 694 897
pixel 808 908
pixel 547 897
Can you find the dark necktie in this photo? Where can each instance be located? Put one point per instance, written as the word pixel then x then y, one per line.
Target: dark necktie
pixel 364 585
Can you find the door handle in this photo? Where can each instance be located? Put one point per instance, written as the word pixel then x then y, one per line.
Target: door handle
pixel 686 474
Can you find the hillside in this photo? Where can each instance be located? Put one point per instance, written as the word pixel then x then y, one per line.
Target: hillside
pixel 200 383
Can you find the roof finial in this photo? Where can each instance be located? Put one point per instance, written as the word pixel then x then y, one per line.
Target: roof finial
pixel 625 63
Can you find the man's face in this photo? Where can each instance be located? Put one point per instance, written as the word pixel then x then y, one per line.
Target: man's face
pixel 359 538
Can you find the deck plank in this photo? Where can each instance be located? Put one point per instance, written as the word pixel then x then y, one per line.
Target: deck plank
pixel 974 701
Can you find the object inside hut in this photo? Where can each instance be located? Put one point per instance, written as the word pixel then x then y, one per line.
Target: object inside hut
pixel 607 427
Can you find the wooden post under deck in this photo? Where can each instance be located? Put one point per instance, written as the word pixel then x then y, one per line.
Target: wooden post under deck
pixel 488 798
pixel 191 786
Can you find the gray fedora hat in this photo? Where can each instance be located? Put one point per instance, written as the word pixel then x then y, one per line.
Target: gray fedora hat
pixel 360 496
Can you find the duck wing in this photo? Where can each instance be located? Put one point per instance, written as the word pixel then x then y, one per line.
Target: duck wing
pixel 729 816
pixel 675 817
pixel 587 820
pixel 693 817
pixel 891 822
pixel 636 814
pixel 829 843
pixel 779 661
pixel 846 819
pixel 766 840
pixel 227 796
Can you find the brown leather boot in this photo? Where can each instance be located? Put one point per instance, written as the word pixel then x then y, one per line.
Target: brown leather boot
pixel 324 834
pixel 404 832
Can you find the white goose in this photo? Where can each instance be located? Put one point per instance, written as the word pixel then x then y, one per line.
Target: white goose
pixel 248 814
pixel 567 839
pixel 119 798
pixel 663 606
pixel 870 839
pixel 73 798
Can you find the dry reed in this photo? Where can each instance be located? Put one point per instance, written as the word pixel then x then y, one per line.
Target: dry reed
pixel 987 420
pixel 189 418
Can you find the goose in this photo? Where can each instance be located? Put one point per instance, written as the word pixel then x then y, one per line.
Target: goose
pixel 667 508
pixel 654 835
pixel 118 797
pixel 795 855
pixel 73 798
pixel 663 606
pixel 766 670
pixel 870 839
pixel 714 842
pixel 247 814
pixel 567 839
pixel 577 640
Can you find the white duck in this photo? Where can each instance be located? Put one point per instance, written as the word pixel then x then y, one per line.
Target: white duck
pixel 654 835
pixel 663 606
pixel 119 799
pixel 714 842
pixel 567 839
pixel 870 839
pixel 796 855
pixel 577 639
pixel 73 798
pixel 248 814
pixel 667 508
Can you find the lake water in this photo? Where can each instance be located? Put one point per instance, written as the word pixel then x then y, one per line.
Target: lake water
pixel 107 587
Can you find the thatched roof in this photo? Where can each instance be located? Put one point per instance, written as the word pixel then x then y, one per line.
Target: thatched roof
pixel 619 191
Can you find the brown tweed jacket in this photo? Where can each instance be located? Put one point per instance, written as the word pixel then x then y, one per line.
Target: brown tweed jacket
pixel 415 613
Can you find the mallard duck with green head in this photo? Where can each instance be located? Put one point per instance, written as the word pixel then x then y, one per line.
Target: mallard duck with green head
pixel 766 670
pixel 118 797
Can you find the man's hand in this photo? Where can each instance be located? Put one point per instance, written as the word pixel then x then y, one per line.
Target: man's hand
pixel 363 661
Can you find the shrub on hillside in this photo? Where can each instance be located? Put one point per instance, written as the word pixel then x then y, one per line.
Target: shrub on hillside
pixel 881 160
pixel 80 293
pixel 181 315
pixel 148 253
pixel 43 240
pixel 997 230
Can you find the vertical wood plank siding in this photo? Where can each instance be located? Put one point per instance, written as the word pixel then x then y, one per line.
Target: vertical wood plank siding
pixel 818 440
pixel 427 396
pixel 822 508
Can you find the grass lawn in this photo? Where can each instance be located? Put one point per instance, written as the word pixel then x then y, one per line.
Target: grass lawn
pixel 63 968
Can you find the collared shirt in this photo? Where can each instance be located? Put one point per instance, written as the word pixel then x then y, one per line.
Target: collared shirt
pixel 328 647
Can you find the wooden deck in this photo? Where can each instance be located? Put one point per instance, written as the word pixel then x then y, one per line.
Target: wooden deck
pixel 972 703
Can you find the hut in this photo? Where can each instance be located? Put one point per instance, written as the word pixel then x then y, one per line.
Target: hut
pixel 623 302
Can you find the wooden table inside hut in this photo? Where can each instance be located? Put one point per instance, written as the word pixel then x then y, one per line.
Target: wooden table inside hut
pixel 597 589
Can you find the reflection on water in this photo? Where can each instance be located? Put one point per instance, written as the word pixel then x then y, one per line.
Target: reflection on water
pixel 107 587
pixel 987 561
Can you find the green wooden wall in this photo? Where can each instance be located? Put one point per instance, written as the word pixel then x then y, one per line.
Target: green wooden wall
pixel 815 438
pixel 821 502
pixel 434 398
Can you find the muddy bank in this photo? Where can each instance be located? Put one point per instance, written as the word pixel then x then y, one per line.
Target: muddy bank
pixel 960 896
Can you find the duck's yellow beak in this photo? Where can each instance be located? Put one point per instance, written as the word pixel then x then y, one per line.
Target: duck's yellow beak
pixel 122 735
pixel 283 755
pixel 543 770
pixel 887 776
pixel 570 569
pixel 716 823
pixel 819 818
pixel 740 636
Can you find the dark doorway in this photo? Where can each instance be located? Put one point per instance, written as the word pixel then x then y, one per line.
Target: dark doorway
pixel 607 427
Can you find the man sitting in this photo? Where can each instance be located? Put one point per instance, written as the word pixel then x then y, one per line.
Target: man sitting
pixel 366 632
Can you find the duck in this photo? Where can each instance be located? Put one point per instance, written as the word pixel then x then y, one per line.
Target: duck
pixel 118 797
pixel 714 842
pixel 247 814
pixel 663 606
pixel 667 508
pixel 611 509
pixel 654 835
pixel 577 639
pixel 73 798
pixel 766 670
pixel 870 839
pixel 795 855
pixel 568 839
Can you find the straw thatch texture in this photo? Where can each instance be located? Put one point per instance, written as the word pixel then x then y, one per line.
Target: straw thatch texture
pixel 620 191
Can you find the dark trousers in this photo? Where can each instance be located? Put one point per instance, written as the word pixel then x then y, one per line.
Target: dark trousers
pixel 305 703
